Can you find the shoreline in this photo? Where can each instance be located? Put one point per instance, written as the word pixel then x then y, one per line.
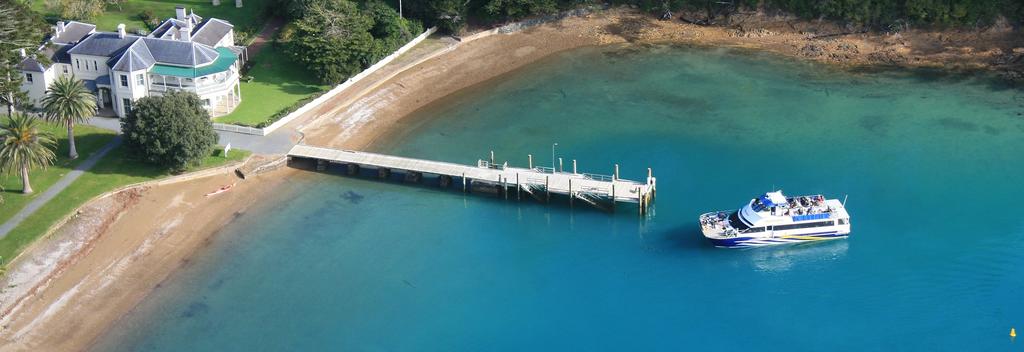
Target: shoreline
pixel 123 254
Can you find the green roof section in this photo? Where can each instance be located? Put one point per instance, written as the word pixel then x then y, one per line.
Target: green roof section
pixel 225 58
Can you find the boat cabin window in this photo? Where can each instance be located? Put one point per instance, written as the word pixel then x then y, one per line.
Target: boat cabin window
pixel 755 229
pixel 803 225
pixel 757 205
pixel 736 223
pixel 842 221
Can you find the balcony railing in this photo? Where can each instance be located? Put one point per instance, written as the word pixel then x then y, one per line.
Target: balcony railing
pixel 157 84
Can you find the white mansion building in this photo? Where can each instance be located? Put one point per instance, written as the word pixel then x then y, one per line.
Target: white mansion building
pixel 184 53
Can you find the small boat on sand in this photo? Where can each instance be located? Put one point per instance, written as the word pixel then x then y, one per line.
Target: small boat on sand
pixel 773 218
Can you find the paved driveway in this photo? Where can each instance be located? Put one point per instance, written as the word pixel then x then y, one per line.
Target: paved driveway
pixel 278 142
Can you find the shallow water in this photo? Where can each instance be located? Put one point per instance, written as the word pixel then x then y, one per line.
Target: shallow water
pixel 931 165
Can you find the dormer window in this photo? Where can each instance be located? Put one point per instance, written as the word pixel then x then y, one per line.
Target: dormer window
pixel 140 79
pixel 28 77
pixel 124 80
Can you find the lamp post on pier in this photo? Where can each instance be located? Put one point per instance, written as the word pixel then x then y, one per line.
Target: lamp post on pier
pixel 553 145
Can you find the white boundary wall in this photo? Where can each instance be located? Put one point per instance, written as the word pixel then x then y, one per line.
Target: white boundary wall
pixel 326 96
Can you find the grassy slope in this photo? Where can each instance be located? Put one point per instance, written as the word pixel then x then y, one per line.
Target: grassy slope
pixel 247 18
pixel 113 171
pixel 88 140
pixel 277 83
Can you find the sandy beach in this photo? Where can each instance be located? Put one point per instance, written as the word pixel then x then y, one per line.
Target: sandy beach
pixel 65 291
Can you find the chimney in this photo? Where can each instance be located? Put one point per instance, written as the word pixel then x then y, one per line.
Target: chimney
pixel 60 27
pixel 186 32
pixel 22 52
pixel 179 13
pixel 120 30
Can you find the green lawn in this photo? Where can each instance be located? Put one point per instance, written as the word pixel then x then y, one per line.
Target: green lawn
pixel 277 83
pixel 113 171
pixel 248 18
pixel 88 139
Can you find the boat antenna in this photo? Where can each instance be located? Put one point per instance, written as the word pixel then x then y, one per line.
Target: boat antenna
pixel 844 200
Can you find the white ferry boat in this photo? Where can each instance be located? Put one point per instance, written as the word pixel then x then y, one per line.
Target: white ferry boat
pixel 773 218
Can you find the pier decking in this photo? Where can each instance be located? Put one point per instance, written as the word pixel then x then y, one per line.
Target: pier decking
pixel 538 182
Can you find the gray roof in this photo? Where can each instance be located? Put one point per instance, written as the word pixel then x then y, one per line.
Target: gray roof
pixel 59 53
pixel 73 32
pixel 132 52
pixel 166 26
pixel 135 57
pixel 211 31
pixel 102 44
pixel 179 53
pixel 56 53
pixel 31 65
pixel 171 25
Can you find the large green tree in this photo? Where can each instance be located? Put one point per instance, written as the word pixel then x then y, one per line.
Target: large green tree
pixel 25 147
pixel 448 15
pixel 390 31
pixel 20 29
pixel 173 131
pixel 66 103
pixel 517 9
pixel 337 38
pixel 332 39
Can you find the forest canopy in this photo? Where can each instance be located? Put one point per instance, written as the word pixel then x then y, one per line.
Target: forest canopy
pixel 880 14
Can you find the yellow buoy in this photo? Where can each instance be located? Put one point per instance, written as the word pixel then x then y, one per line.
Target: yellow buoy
pixel 1013 333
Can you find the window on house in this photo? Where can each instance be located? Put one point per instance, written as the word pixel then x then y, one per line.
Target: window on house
pixel 65 69
pixel 127 105
pixel 206 102
pixel 124 80
pixel 28 77
pixel 94 67
pixel 78 65
pixel 140 79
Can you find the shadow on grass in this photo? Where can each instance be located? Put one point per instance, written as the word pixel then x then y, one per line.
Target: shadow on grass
pixel 122 162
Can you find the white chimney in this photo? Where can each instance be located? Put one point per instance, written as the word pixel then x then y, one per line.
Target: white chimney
pixel 60 27
pixel 22 51
pixel 179 13
pixel 120 30
pixel 186 32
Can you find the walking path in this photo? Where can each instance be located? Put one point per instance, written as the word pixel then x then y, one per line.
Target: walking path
pixel 54 190
pixel 278 142
pixel 266 34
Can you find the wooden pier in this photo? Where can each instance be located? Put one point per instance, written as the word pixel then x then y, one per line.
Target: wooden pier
pixel 537 182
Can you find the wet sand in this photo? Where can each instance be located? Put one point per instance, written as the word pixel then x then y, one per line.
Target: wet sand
pixel 100 265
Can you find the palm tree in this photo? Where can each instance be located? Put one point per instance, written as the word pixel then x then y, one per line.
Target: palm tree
pixel 66 103
pixel 25 147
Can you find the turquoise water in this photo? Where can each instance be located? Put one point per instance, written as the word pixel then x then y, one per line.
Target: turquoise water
pixel 931 164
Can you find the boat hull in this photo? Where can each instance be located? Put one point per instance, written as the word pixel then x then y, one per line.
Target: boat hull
pixel 744 242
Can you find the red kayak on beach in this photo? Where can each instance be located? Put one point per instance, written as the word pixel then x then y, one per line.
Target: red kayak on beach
pixel 221 190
